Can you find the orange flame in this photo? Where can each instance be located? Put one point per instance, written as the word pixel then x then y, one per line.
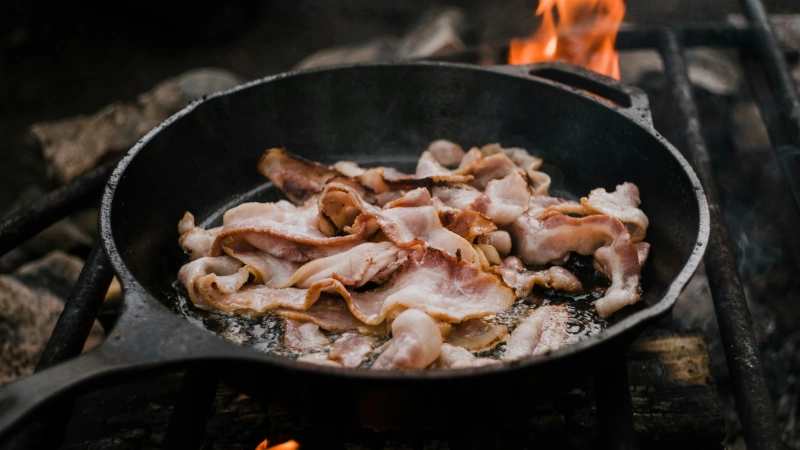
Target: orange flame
pixel 288 445
pixel 580 32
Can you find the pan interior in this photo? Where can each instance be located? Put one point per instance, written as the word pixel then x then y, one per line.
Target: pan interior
pixel 204 161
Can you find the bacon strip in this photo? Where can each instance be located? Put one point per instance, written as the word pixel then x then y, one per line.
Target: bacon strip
pixel 350 349
pixel 542 332
pixel 298 178
pixel 454 357
pixel 552 235
pixel 194 240
pixel 476 335
pixel 303 336
pixel 522 280
pixel 416 342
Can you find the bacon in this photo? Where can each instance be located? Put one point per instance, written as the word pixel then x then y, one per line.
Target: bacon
pixel 271 271
pixel 476 335
pixel 504 200
pixel 350 349
pixel 223 274
pixel 467 224
pixel 282 230
pixel 447 153
pixel 522 280
pixel 440 285
pixel 430 243
pixel 194 240
pixel 319 358
pixel 500 240
pixel 408 222
pixel 330 313
pixel 551 237
pixel 416 342
pixel 298 178
pixel 542 332
pixel 354 267
pixel 303 337
pixel 623 205
pixel 539 181
pixel 453 357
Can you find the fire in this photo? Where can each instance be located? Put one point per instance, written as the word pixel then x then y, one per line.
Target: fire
pixel 580 32
pixel 288 445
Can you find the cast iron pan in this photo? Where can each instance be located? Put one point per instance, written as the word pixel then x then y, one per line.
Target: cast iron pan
pixel 203 160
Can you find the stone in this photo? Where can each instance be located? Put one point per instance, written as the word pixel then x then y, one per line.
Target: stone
pixel 27 319
pixel 438 32
pixel 56 272
pixel 74 145
pixel 30 303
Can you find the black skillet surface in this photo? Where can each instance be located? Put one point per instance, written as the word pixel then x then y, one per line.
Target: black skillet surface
pixel 203 160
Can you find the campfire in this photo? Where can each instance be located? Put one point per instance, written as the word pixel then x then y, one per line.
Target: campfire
pixel 580 32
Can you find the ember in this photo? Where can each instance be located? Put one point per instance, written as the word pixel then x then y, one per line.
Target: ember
pixel 580 32
pixel 288 445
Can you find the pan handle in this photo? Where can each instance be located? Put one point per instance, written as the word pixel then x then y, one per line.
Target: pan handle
pixel 24 398
pixel 145 341
pixel 628 100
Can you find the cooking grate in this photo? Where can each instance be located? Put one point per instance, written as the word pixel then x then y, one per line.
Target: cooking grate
pixel 781 114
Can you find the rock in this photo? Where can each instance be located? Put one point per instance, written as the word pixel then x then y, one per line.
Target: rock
pixel 74 145
pixel 380 49
pixel 206 80
pixel 27 319
pixel 30 303
pixel 63 235
pixel 438 32
pixel 710 69
pixel 57 273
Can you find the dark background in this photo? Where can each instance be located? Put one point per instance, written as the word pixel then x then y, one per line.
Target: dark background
pixel 59 59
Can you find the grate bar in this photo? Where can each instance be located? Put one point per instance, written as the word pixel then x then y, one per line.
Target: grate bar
pixel 756 412
pixel 80 311
pixel 21 226
pixel 784 92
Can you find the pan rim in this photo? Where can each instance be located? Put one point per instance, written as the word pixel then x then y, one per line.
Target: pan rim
pixel 637 319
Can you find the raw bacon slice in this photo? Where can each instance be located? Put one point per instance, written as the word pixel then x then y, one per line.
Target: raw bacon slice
pixel 194 240
pixel 416 342
pixel 207 274
pixel 350 349
pixel 272 271
pixel 623 205
pixel 354 267
pixel 443 287
pixel 551 237
pixel 542 332
pixel 319 358
pixel 330 313
pixel 447 153
pixel 500 240
pixel 522 280
pixel 298 178
pixel 282 230
pixel 303 336
pixel 476 335
pixel 410 221
pixel 454 357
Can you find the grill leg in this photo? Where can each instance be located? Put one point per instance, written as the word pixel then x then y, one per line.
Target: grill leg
pixel 614 408
pixel 187 425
